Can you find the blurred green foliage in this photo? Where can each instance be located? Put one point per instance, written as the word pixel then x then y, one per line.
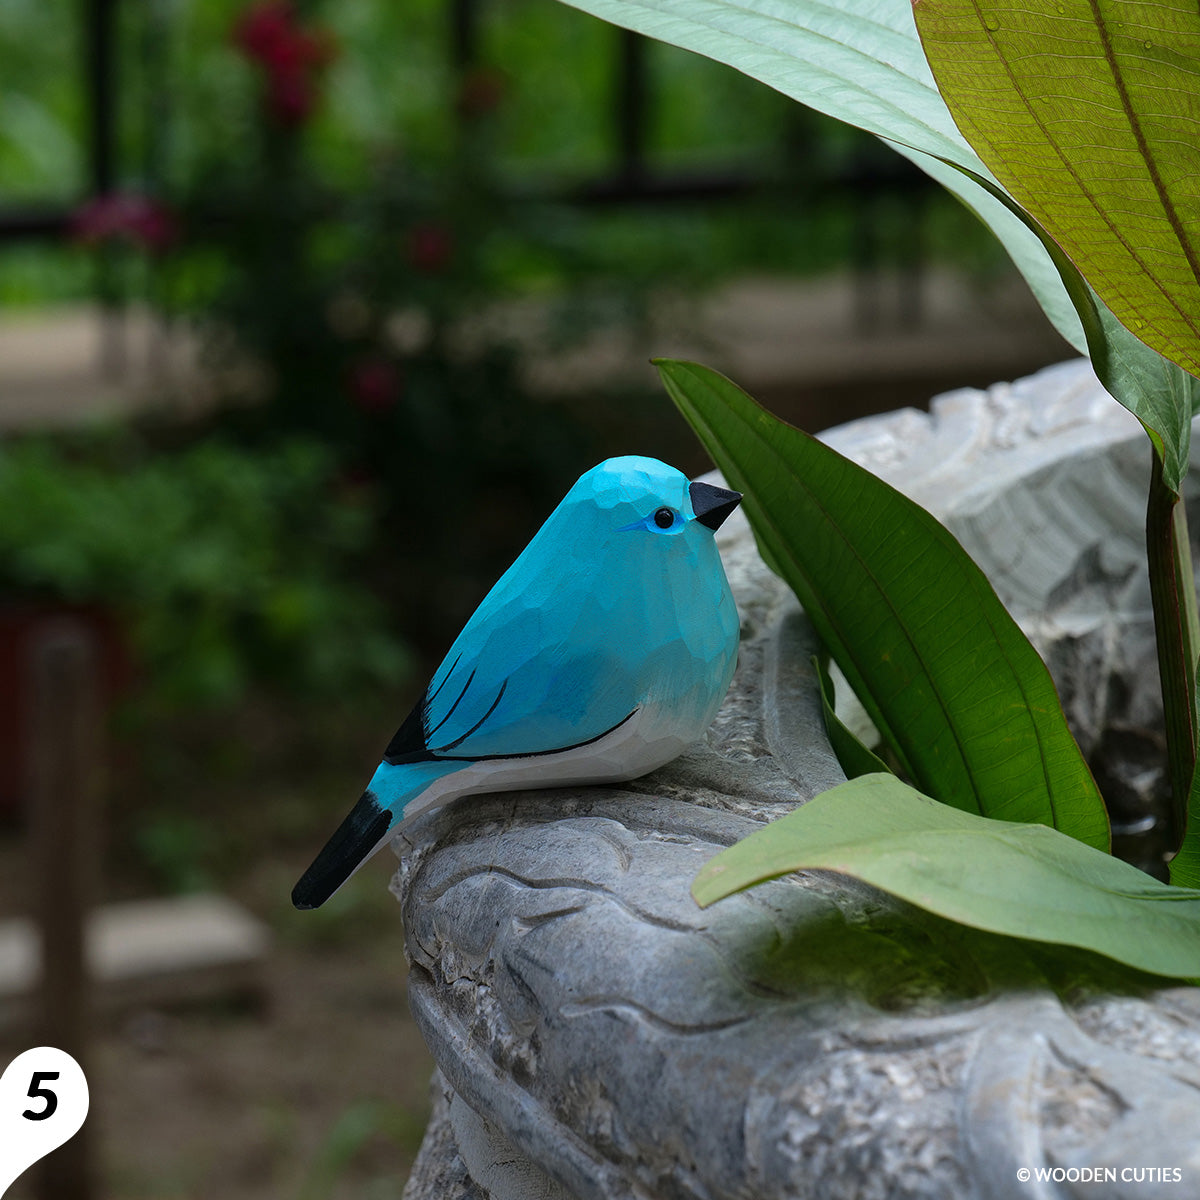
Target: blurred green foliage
pixel 41 102
pixel 228 566
pixel 188 112
pixel 345 262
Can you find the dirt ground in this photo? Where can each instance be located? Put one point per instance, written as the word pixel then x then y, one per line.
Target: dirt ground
pixel 315 1088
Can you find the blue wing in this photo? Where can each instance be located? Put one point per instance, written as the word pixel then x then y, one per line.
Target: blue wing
pixel 511 695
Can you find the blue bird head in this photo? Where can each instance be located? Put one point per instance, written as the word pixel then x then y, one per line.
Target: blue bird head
pixel 625 569
pixel 633 536
pixel 634 493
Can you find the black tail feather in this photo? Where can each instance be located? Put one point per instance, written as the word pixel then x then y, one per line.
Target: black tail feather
pixel 353 840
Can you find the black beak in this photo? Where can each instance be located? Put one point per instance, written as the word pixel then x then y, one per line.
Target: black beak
pixel 712 504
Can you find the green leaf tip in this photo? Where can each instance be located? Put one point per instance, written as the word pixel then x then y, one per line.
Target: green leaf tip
pixel 1024 881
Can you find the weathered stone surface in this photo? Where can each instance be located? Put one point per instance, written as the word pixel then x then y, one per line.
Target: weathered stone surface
pixel 602 1037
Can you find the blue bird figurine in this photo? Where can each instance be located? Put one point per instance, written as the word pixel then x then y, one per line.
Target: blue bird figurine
pixel 601 653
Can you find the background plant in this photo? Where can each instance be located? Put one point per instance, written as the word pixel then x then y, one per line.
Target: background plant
pixel 227 567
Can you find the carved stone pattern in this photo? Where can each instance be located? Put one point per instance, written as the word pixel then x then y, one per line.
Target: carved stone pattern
pixel 603 1037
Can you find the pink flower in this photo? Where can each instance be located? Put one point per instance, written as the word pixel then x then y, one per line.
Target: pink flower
pixel 125 216
pixel 291 57
pixel 374 384
pixel 430 247
pixel 263 29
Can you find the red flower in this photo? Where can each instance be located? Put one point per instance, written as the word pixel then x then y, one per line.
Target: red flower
pixel 263 29
pixel 291 57
pixel 374 384
pixel 430 247
pixel 125 216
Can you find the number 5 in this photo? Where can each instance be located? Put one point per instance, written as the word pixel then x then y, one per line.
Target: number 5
pixel 37 1092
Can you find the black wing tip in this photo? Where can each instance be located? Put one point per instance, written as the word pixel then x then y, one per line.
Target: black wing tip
pixel 408 742
pixel 350 844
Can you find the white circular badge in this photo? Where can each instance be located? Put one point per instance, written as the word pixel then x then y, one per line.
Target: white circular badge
pixel 43 1102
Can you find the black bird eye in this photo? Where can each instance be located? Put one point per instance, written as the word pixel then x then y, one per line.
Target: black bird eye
pixel 664 518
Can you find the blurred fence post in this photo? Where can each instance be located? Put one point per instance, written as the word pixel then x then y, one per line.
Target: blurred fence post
pixel 65 761
pixel 630 106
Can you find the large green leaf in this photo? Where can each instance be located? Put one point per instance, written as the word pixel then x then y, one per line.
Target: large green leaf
pixel 1025 243
pixel 861 62
pixel 1088 113
pixel 944 672
pixel 1022 880
pixel 858 60
pixel 1162 395
pixel 1164 398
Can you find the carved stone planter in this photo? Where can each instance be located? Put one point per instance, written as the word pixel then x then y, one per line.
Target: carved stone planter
pixel 599 1036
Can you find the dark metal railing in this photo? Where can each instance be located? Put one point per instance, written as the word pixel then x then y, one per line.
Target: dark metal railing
pixel 52 219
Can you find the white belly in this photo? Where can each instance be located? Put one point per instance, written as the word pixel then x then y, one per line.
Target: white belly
pixel 642 744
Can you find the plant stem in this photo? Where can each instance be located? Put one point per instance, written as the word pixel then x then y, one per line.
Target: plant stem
pixel 1177 632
